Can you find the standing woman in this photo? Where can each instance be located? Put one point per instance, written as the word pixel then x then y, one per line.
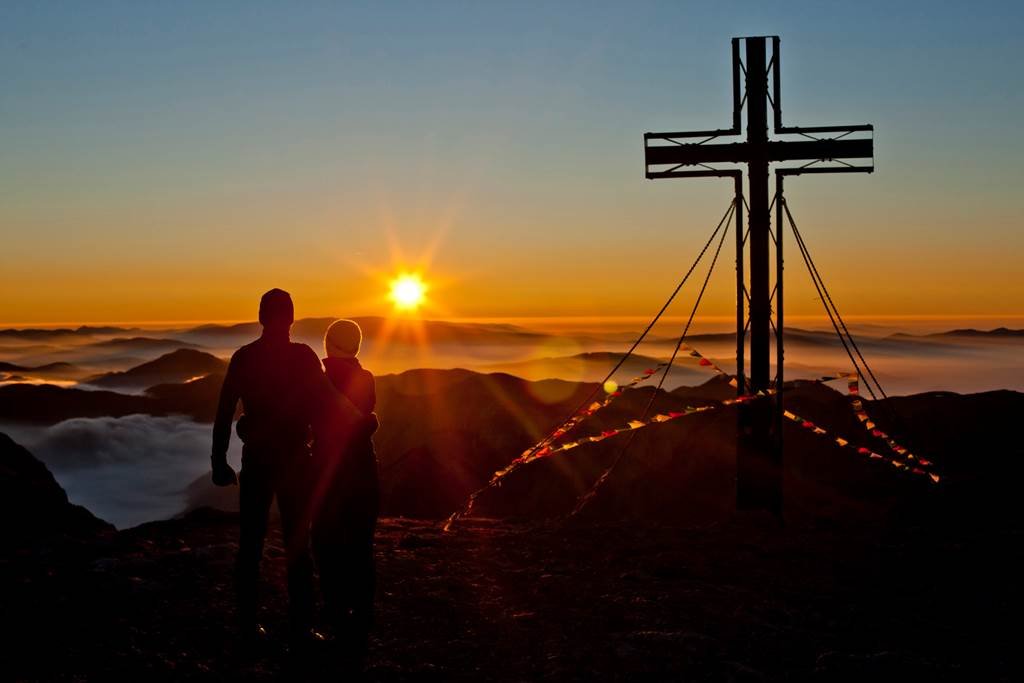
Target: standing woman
pixel 347 497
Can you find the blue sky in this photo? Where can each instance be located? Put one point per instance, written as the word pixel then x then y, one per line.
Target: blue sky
pixel 161 158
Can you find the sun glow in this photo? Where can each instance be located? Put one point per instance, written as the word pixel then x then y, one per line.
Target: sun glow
pixel 408 291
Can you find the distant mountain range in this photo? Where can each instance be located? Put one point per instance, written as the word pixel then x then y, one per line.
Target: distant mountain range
pixel 999 332
pixel 46 334
pixel 444 432
pixel 395 330
pixel 148 344
pixel 178 366
pixel 60 369
pixel 594 367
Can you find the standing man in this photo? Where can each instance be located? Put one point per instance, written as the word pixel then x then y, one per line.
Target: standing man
pixel 280 385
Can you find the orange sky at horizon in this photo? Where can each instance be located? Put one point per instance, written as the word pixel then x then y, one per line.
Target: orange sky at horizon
pixel 609 279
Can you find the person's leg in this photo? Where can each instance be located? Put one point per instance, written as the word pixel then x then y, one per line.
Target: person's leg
pixel 326 540
pixel 364 574
pixel 254 499
pixel 360 564
pixel 293 503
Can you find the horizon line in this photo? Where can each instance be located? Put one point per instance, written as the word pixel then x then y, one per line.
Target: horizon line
pixel 911 317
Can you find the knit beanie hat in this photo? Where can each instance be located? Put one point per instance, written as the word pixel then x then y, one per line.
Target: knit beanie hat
pixel 343 339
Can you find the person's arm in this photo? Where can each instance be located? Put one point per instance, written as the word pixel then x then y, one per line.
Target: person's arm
pixel 324 393
pixel 223 475
pixel 371 394
pixel 368 402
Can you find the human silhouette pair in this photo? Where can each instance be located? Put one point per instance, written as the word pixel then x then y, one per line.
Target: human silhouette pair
pixel 307 440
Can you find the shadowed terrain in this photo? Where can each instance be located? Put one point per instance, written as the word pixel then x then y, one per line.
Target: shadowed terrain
pixel 876 574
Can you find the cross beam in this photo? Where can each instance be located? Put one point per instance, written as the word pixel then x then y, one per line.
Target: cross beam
pixel 824 149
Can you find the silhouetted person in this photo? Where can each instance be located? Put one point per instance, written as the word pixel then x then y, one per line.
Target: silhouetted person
pixel 278 384
pixel 347 498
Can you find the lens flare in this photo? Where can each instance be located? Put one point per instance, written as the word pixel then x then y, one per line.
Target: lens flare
pixel 408 291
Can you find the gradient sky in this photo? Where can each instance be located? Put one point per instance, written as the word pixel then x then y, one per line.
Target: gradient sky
pixel 170 161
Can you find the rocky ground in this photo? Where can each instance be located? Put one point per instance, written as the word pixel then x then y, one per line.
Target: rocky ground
pixel 874 576
pixel 742 600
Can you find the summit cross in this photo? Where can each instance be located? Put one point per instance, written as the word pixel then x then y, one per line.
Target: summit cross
pixel 823 149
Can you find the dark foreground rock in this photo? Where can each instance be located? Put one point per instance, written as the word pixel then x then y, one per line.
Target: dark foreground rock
pixel 743 600
pixel 33 506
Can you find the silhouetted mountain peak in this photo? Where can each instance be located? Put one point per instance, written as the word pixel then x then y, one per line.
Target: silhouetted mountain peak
pixel 177 366
pixel 32 504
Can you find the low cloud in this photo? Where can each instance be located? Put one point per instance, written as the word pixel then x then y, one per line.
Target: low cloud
pixel 126 470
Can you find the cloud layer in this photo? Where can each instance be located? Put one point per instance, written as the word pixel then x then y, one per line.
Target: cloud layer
pixel 125 470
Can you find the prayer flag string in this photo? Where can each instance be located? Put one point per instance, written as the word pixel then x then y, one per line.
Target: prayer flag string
pixel 907 465
pixel 548 447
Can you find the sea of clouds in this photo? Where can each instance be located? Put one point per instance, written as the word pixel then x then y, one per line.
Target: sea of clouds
pixel 126 470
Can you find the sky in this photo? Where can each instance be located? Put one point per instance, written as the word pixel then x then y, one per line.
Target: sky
pixel 171 161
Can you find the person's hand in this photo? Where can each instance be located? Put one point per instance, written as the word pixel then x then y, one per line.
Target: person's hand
pixel 223 475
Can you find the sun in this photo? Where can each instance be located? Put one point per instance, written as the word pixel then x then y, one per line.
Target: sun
pixel 408 291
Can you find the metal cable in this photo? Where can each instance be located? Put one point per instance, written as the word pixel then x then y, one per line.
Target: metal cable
pixel 814 268
pixel 654 394
pixel 586 401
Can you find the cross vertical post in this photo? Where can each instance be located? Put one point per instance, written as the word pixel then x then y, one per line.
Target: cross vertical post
pixel 759 446
pixel 760 224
